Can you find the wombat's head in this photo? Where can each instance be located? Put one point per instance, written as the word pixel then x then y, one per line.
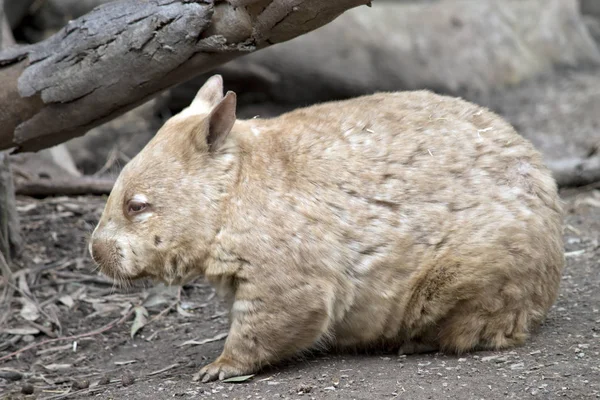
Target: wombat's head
pixel 162 212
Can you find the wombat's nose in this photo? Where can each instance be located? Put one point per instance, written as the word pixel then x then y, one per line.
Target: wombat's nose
pixel 98 250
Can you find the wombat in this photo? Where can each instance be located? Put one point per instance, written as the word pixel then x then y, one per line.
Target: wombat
pixel 408 220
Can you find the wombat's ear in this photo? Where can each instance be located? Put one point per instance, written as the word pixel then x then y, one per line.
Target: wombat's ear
pixel 209 95
pixel 221 120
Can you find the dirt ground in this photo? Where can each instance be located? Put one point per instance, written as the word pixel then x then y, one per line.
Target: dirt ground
pixel 561 361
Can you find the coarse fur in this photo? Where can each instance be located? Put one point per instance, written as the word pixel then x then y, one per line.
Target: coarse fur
pixel 408 219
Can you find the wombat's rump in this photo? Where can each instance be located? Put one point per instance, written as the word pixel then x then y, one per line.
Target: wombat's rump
pixel 407 219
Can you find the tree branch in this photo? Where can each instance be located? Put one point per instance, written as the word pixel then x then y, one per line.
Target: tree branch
pixel 125 52
pixel 71 186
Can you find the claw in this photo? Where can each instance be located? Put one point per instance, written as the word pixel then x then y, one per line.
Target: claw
pixel 219 370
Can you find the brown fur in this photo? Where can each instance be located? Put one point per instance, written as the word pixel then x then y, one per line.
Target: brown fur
pixel 407 219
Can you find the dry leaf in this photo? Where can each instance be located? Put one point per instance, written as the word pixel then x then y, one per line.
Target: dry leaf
pixel 79 293
pixel 52 312
pixel 67 300
pixel 238 379
pixel 23 330
pixel 125 362
pixel 141 318
pixel 57 367
pixel 103 309
pixel 182 312
pixel 30 311
pixel 188 305
pixel 575 253
pixel 154 300
pixel 22 283
pixel 159 295
pixel 26 208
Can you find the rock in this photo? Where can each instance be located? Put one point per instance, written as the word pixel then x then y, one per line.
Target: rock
pixel 27 389
pixel 559 115
pixel 105 380
pixel 82 384
pixel 460 47
pixel 127 379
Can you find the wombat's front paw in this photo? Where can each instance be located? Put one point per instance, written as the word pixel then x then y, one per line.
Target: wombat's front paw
pixel 221 369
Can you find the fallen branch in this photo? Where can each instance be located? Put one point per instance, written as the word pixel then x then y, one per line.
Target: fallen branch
pixel 123 53
pixel 68 186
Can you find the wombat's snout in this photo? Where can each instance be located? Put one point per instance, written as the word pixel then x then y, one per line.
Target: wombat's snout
pixel 105 253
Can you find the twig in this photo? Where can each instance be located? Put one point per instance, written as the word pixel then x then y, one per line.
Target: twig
pixel 91 279
pixel 166 310
pixel 48 332
pixel 8 292
pixel 105 328
pixel 112 158
pixel 64 263
pixel 165 369
pixel 76 392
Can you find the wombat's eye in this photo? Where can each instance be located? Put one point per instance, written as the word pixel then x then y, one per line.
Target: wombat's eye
pixel 135 207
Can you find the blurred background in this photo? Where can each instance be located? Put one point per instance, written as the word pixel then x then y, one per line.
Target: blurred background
pixel 536 62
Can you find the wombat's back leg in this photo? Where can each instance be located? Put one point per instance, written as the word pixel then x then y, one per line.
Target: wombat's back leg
pixel 456 309
pixel 269 323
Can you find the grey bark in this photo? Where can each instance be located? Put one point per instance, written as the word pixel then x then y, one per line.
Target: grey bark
pixel 125 52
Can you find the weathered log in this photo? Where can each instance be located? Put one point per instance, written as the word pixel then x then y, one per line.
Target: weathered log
pixel 125 52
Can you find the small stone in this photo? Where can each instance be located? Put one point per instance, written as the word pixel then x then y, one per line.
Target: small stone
pixel 11 375
pixel 517 366
pixel 80 385
pixel 105 380
pixel 28 338
pixel 304 388
pixel 489 358
pixel 127 379
pixel 27 388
